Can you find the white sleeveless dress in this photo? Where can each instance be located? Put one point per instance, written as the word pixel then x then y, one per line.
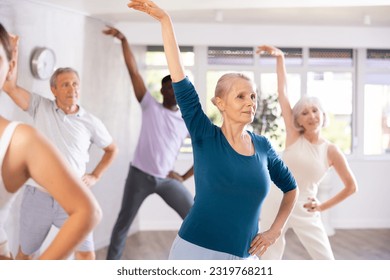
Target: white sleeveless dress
pixel 309 164
pixel 6 198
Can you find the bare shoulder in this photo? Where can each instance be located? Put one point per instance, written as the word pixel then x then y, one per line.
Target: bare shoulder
pixel 26 133
pixel 23 132
pixel 15 163
pixel 334 154
pixel 26 137
pixel 333 149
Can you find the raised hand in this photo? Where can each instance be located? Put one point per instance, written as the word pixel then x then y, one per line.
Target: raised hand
pixel 148 7
pixel 270 50
pixel 171 47
pixel 113 32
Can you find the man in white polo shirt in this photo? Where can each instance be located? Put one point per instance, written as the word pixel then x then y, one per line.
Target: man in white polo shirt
pixel 162 134
pixel 73 130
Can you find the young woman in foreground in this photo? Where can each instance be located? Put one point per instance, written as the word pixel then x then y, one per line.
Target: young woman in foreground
pixel 24 154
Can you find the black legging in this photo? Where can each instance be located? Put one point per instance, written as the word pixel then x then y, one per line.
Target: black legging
pixel 140 185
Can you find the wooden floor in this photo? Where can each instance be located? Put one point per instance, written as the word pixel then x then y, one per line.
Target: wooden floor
pixel 359 244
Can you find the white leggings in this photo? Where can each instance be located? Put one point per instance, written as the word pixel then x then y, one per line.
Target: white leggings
pixel 310 231
pixel 184 250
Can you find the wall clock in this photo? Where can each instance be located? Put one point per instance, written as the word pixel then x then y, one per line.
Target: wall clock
pixel 42 63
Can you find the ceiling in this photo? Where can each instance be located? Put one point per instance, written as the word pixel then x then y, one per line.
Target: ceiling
pixel 369 13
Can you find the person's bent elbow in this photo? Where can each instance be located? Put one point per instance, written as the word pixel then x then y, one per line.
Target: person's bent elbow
pixel 96 215
pixel 353 188
pixel 92 214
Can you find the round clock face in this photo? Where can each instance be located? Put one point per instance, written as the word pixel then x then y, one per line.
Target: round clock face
pixel 42 63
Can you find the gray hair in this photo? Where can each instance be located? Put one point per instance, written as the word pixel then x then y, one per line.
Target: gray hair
pixel 301 105
pixel 59 71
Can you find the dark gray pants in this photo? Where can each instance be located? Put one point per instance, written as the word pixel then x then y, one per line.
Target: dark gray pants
pixel 138 186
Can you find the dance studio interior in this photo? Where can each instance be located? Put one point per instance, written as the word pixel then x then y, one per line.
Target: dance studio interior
pixel 338 51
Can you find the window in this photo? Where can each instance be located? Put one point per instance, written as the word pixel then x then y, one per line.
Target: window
pixel 378 58
pixel 332 57
pixel 334 89
pixel 268 89
pixel 293 56
pixel 377 102
pixel 230 56
pixel 157 68
pixel 328 73
pixel 376 119
pixel 155 56
pixel 324 73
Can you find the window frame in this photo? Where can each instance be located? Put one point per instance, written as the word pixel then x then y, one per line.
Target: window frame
pixel 358 69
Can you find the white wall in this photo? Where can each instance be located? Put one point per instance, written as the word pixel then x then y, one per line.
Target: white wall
pixel 253 35
pixel 370 207
pixel 105 90
pixel 107 93
pixel 374 188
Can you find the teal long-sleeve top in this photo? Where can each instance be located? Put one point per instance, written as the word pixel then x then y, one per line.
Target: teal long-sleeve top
pixel 229 187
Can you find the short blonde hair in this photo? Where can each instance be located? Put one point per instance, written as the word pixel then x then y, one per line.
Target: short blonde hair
pixel 225 83
pixel 301 105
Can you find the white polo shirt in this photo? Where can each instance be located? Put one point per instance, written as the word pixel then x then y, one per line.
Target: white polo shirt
pixel 72 134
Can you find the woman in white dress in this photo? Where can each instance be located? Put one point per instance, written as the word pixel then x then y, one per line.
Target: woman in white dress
pixel 309 156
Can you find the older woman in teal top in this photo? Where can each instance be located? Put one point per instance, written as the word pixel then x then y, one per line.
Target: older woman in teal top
pixel 233 167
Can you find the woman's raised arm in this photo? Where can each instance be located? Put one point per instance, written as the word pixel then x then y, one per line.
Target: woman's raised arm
pixel 171 47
